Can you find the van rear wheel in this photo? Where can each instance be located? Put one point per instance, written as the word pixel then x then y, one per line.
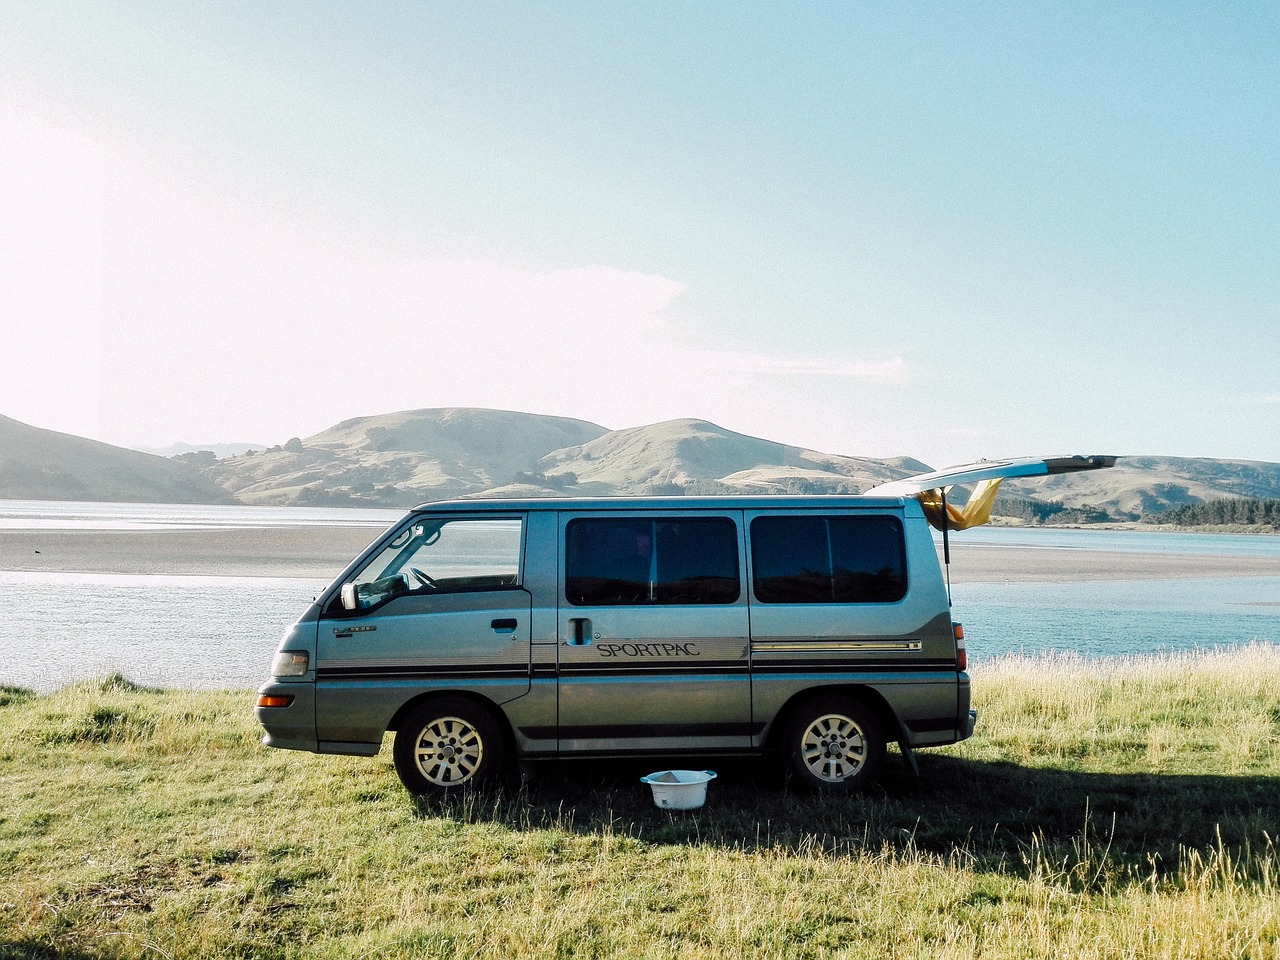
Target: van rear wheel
pixel 448 745
pixel 834 745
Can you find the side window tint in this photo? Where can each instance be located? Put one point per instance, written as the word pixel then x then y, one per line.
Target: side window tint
pixel 868 558
pixel 651 560
pixel 790 560
pixel 828 559
pixel 697 561
pixel 608 561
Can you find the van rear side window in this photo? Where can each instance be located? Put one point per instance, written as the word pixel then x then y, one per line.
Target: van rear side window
pixel 651 560
pixel 808 559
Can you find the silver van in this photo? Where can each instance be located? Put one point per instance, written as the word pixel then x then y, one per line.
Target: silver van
pixel 481 631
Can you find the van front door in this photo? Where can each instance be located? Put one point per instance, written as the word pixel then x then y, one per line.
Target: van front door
pixel 441 607
pixel 653 629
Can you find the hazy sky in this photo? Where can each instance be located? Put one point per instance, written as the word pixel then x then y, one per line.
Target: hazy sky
pixel 949 231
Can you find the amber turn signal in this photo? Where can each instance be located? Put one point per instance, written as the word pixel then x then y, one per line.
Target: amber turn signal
pixel 962 655
pixel 274 700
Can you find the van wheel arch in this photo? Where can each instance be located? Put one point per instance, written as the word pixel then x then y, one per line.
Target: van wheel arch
pixel 867 696
pixel 480 717
pixel 832 743
pixel 484 703
pixel 833 740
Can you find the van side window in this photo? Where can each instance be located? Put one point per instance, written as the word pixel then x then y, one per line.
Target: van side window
pixel 611 561
pixel 828 559
pixel 443 555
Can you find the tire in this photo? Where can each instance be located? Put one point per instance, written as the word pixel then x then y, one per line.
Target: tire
pixel 447 746
pixel 834 744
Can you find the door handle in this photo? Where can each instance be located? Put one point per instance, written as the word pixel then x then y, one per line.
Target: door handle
pixel 504 624
pixel 579 632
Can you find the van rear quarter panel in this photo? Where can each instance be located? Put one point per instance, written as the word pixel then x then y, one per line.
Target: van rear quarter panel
pixel 900 656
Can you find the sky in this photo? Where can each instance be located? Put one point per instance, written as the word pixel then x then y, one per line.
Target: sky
pixel 938 230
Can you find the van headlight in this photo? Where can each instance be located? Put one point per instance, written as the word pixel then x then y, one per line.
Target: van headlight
pixel 290 663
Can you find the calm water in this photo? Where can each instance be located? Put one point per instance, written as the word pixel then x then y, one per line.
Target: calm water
pixel 215 632
pixel 1122 618
pixel 202 632
pixel 1103 619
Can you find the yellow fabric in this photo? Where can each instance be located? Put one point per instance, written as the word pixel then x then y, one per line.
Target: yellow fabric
pixel 975 512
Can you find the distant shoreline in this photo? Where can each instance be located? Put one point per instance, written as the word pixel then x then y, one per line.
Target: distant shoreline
pixel 322 551
pixel 1141 526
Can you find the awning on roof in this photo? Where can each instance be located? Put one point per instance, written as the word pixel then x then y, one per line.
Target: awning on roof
pixel 929 488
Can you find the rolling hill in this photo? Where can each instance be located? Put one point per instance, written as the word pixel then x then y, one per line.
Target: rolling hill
pixel 674 456
pixel 400 459
pixel 409 457
pixel 38 464
pixel 1141 486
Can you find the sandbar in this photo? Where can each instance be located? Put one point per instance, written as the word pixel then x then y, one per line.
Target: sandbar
pixel 320 551
pixel 310 551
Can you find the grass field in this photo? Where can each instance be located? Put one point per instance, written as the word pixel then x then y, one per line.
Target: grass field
pixel 1120 809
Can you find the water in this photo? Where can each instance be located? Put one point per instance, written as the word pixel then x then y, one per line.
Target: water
pixel 197 632
pixel 1120 618
pixel 1117 618
pixel 1125 541
pixel 220 632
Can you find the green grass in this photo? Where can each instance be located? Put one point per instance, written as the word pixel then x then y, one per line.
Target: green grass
pixel 1122 809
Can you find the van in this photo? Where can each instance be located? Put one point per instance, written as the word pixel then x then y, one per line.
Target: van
pixel 486 631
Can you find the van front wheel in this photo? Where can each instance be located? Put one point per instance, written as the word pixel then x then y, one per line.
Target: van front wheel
pixel 834 745
pixel 448 745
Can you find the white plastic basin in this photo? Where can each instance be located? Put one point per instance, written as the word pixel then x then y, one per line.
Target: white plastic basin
pixel 679 789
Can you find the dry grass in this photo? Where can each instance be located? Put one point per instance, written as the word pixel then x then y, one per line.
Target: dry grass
pixel 1140 713
pixel 1122 809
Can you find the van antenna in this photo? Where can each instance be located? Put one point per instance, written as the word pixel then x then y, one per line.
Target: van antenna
pixel 946 544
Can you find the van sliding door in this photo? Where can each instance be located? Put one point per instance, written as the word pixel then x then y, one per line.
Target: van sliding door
pixel 653 629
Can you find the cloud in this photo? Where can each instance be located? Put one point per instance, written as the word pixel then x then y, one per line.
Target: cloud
pixel 261 314
pixel 151 307
pixel 208 317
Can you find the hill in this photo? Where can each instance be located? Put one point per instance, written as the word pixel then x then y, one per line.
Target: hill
pixel 405 458
pixel 37 464
pixel 682 454
pixel 408 457
pixel 400 459
pixel 1142 486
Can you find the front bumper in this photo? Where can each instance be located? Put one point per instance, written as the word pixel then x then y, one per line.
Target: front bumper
pixel 292 727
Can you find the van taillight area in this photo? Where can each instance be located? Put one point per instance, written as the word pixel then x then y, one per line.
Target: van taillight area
pixel 962 655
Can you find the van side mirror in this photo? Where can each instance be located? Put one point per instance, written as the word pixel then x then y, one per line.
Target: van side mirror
pixel 349 599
